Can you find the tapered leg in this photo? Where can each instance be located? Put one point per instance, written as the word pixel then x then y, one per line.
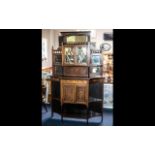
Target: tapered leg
pixel 102 116
pixel 87 115
pixel 62 114
pixel 52 112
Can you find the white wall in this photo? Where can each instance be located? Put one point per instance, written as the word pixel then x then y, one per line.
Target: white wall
pixel 99 38
pixel 49 35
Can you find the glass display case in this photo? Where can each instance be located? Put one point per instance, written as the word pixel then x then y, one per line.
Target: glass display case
pixel 108 67
pixel 108 78
pixel 108 96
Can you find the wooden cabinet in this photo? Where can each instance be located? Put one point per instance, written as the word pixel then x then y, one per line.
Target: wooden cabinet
pixel 77 77
pixel 74 91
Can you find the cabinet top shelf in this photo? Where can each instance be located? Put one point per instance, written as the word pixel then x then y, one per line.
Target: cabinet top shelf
pixel 78 78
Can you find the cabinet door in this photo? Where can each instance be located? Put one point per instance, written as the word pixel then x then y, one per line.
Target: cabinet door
pixel 81 94
pixel 74 91
pixel 68 93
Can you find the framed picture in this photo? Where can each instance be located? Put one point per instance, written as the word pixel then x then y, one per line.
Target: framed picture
pixel 108 36
pixel 96 59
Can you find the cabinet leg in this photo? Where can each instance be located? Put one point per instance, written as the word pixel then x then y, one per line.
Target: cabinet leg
pixel 52 111
pixel 62 119
pixel 52 114
pixel 87 115
pixel 62 115
pixel 102 117
pixel 87 121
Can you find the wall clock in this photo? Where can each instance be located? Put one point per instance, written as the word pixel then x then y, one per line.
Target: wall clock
pixel 105 47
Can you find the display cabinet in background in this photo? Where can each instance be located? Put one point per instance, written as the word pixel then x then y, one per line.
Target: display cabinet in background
pixel 108 67
pixel 108 79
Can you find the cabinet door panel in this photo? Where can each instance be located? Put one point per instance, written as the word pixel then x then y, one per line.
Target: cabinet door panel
pixel 81 94
pixel 68 93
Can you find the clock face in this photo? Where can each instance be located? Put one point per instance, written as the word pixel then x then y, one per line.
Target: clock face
pixel 105 47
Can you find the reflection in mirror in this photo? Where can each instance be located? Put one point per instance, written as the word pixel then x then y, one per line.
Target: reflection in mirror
pixel 95 71
pixel 69 55
pixel 81 55
pixel 96 59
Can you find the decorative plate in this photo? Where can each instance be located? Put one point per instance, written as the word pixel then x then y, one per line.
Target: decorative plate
pixel 105 47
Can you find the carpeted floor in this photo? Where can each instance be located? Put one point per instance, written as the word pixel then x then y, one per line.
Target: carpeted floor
pixel 56 120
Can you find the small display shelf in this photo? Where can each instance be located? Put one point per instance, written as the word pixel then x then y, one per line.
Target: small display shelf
pixel 57 62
